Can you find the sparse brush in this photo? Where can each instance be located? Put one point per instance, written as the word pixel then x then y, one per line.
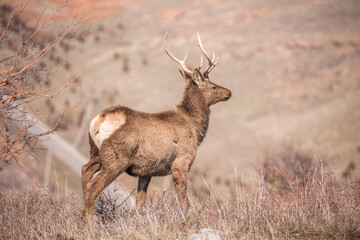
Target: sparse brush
pixel 289 166
pixel 318 209
pixel 311 208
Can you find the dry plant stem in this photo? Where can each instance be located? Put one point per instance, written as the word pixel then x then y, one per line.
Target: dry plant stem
pixel 316 210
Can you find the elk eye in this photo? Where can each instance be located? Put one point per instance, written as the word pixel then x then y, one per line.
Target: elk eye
pixel 214 87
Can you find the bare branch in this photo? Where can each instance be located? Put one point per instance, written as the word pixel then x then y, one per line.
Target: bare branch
pixel 19 82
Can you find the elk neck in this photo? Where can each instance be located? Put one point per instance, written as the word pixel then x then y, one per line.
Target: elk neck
pixel 195 107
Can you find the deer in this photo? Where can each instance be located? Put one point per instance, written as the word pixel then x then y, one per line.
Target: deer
pixel 145 145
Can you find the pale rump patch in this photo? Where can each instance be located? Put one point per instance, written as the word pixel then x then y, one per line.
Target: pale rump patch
pixel 102 127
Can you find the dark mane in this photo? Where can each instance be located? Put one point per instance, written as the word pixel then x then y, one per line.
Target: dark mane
pixel 195 106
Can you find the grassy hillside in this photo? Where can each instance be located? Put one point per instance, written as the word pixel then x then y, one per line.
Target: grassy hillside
pixel 292 68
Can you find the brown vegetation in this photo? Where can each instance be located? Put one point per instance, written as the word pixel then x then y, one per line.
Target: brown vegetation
pixel 290 165
pixel 316 210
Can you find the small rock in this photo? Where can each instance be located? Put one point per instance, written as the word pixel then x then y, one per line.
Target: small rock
pixel 206 234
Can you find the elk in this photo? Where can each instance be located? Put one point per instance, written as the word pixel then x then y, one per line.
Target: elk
pixel 152 144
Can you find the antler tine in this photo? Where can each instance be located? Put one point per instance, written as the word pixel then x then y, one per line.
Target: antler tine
pixel 212 66
pixel 202 49
pixel 211 62
pixel 181 62
pixel 201 62
pixel 213 59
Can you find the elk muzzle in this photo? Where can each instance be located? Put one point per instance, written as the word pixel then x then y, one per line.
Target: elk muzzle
pixel 228 96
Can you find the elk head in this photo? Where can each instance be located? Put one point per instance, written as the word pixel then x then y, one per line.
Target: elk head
pixel 212 92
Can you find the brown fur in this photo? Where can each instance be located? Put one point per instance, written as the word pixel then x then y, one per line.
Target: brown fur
pixel 153 144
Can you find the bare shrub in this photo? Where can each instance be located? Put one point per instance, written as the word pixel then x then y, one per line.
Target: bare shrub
pixel 22 70
pixel 144 59
pixel 116 55
pixel 126 64
pixel 349 171
pixel 105 207
pixel 289 166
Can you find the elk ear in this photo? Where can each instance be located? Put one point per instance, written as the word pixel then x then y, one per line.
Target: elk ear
pixel 198 78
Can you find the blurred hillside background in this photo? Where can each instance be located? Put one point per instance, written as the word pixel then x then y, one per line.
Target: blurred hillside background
pixel 293 68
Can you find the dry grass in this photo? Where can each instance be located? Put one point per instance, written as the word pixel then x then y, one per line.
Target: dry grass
pixel 319 209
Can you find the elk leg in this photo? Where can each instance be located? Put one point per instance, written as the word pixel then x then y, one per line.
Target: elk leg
pixel 141 192
pixel 96 185
pixel 89 169
pixel 180 184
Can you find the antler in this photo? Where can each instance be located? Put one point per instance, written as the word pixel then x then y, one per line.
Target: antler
pixel 201 60
pixel 181 62
pixel 212 64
